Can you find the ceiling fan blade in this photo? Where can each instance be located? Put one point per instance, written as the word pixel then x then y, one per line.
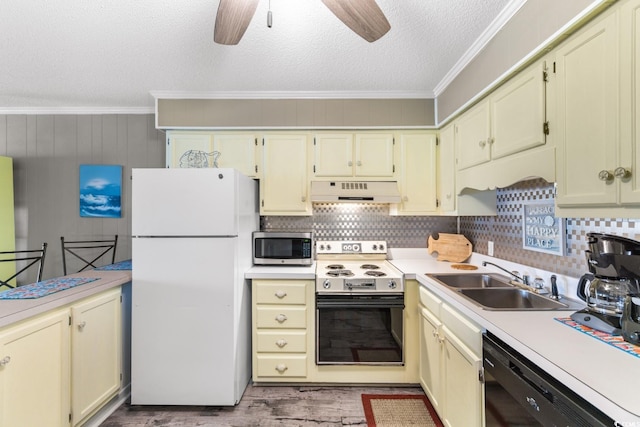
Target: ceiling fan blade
pixel 232 20
pixel 364 17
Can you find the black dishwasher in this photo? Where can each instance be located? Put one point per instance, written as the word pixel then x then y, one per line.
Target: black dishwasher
pixel 519 393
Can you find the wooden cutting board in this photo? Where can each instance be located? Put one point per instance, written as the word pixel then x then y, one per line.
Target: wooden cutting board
pixel 450 247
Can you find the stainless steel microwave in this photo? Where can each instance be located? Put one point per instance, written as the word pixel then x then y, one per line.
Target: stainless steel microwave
pixel 282 248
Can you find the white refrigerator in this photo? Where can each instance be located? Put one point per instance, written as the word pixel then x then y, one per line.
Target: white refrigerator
pixel 191 306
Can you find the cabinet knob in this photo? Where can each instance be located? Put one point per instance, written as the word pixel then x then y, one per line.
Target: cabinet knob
pixel 482 143
pixel 605 175
pixel 448 196
pixel 281 367
pixel 281 318
pixel 281 343
pixel 359 163
pixel 349 163
pixel 622 173
pixel 5 361
pixel 304 199
pixel 81 325
pixel 281 294
pixel 491 140
pixel 405 199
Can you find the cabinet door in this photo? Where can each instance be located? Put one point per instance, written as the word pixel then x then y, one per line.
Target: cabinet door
pixel 34 372
pixel 463 391
pixel 473 136
pixel 96 353
pixel 418 170
pixel 518 113
pixel 333 155
pixel 587 111
pixel 237 151
pixel 374 155
pixel 446 170
pixel 284 184
pixel 190 150
pixel 430 371
pixel 630 101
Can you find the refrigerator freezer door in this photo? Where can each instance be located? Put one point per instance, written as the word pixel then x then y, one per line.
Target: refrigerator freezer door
pixel 185 315
pixel 184 202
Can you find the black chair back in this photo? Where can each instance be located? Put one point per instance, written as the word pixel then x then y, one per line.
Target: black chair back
pixel 85 251
pixel 31 258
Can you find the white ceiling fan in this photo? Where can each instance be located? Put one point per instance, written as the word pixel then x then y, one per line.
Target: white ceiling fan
pixel 364 17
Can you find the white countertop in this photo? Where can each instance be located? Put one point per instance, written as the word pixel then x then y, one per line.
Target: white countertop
pixel 603 375
pixel 12 311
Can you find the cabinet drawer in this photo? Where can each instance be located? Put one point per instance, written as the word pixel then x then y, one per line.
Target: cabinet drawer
pixel 281 341
pixel 281 293
pixel 430 301
pixel 281 366
pixel 467 331
pixel 281 317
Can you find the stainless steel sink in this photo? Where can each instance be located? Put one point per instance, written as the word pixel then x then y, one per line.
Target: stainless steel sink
pixel 515 299
pixel 472 280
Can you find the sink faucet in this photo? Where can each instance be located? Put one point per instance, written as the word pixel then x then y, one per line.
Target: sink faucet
pixel 521 279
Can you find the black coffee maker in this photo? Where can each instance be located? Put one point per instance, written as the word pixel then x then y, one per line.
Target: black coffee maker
pixel 614 273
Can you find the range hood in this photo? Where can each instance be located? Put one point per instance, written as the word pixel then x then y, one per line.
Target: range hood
pixel 355 191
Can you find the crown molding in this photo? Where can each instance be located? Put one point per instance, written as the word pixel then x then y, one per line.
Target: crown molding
pixel 76 110
pixel 158 94
pixel 505 15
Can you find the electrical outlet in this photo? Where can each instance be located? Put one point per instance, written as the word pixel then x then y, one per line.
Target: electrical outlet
pixel 490 248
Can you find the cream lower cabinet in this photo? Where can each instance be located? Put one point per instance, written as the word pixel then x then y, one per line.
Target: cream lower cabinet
pixel 34 372
pixel 284 183
pixel 282 333
pixel 417 174
pixel 450 362
pixel 96 353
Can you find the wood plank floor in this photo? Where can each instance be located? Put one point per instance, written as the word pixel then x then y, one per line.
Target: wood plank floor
pixel 268 406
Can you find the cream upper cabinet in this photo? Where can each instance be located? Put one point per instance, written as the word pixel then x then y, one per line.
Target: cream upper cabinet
pixel 446 170
pixel 588 95
pixel 34 372
pixel 237 151
pixel 518 113
pixel 96 353
pixel 473 134
pixel 510 120
pixel 284 183
pixel 629 176
pixel 198 149
pixel 417 171
pixel 347 155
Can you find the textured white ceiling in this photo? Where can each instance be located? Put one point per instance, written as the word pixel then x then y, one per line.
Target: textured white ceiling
pixel 102 54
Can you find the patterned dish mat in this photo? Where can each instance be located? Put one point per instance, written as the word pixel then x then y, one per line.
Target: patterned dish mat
pixel 122 265
pixel 46 287
pixel 613 340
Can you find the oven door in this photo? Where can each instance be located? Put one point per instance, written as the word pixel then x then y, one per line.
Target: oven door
pixel 364 329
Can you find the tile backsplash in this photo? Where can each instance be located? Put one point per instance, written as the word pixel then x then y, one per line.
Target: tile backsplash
pixel 334 221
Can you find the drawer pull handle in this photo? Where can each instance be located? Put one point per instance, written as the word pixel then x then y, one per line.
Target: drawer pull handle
pixel 281 294
pixel 281 343
pixel 281 367
pixel 5 361
pixel 281 318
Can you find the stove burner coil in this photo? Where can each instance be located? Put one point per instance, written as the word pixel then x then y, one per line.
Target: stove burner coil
pixel 339 273
pixel 369 267
pixel 335 267
pixel 374 273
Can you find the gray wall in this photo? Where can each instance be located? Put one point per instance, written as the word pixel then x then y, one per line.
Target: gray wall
pixel 47 151
pixel 532 25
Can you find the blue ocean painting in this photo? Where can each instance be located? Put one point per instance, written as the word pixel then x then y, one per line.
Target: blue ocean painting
pixel 100 191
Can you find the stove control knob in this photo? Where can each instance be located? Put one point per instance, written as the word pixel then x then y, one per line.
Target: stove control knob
pixel 381 247
pixel 326 284
pixel 375 247
pixel 392 284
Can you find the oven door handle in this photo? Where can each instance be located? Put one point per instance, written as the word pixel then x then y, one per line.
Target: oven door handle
pixel 361 302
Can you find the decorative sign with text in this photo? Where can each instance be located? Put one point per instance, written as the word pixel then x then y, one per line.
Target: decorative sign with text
pixel 541 230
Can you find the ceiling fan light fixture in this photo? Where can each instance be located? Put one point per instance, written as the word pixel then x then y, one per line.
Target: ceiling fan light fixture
pixel 269 16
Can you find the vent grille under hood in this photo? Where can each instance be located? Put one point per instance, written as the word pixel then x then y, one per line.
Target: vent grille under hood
pixel 348 191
